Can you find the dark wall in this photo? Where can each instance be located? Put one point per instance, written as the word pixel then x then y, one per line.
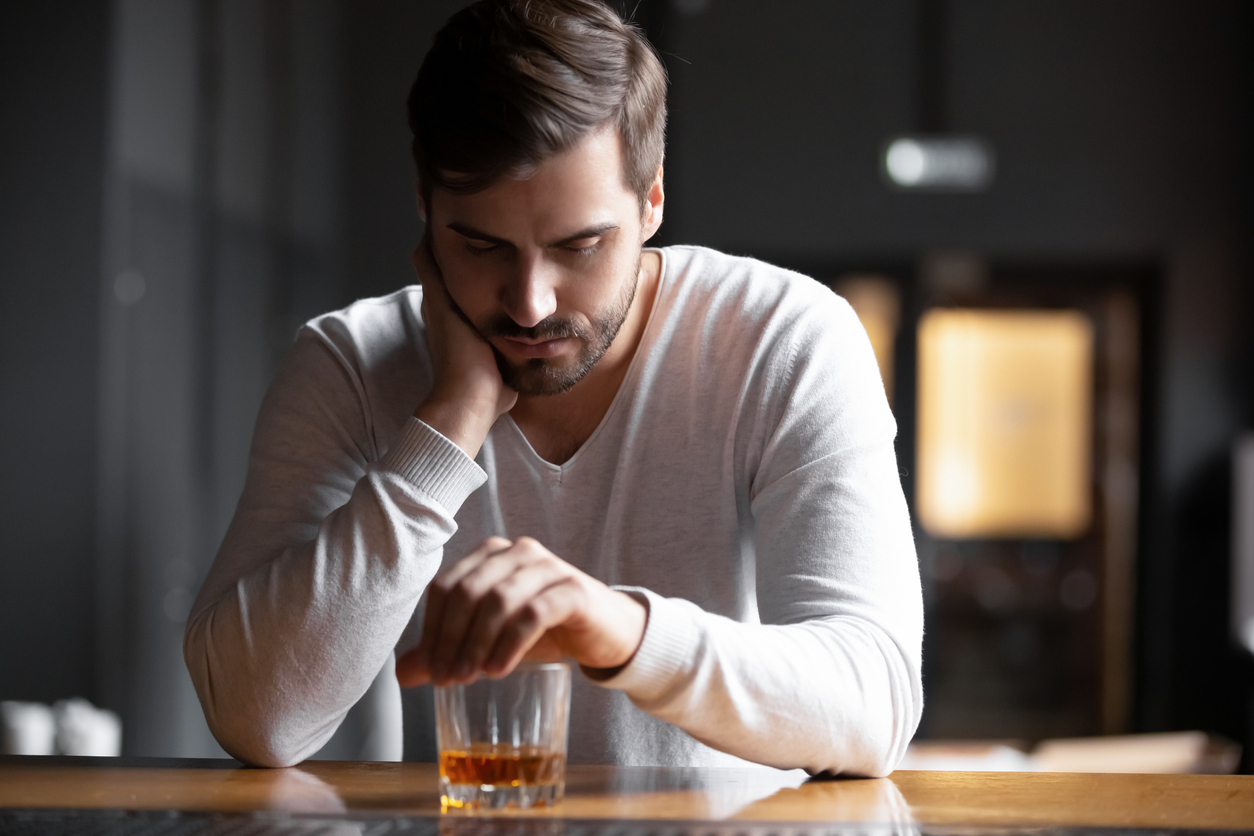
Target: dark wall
pixel 778 116
pixel 52 101
pixel 1118 126
pixel 384 46
pixel 224 209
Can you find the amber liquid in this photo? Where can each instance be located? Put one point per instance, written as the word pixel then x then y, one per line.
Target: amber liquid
pixel 502 766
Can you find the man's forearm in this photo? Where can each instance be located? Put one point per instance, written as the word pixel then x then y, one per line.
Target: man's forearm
pixel 462 419
pixel 282 652
pixel 827 695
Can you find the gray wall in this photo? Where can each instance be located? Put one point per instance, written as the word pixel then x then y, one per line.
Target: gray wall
pixel 224 218
pixel 384 44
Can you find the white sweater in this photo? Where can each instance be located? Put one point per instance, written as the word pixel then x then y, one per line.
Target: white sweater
pixel 743 481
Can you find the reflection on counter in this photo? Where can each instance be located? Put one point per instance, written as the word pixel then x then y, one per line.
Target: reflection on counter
pixel 1191 752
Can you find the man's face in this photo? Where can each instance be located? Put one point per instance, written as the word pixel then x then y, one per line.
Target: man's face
pixel 545 268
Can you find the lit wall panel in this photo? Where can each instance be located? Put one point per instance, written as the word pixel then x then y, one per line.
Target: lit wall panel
pixel 1004 423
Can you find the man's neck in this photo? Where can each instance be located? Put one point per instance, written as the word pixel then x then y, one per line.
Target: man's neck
pixel 558 425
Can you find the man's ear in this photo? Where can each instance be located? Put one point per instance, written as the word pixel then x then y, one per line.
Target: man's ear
pixel 422 202
pixel 653 205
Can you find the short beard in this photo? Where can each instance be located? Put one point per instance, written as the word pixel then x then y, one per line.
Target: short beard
pixel 540 376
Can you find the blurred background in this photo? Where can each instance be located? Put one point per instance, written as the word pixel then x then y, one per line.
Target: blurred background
pixel 1042 211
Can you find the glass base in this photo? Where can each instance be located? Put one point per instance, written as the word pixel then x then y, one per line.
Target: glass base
pixel 471 797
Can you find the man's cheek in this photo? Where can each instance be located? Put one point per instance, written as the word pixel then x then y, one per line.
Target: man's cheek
pixel 598 282
pixel 467 301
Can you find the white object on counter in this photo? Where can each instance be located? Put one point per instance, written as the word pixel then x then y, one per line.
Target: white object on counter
pixel 1243 541
pixel 71 727
pixel 29 729
pixel 967 756
pixel 83 729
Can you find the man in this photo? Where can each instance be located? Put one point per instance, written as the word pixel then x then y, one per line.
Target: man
pixel 672 466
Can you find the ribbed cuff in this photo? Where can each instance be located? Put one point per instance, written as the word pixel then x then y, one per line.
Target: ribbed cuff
pixel 668 650
pixel 439 468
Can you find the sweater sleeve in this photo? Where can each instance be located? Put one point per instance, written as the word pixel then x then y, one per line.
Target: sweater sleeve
pixel 829 680
pixel 323 563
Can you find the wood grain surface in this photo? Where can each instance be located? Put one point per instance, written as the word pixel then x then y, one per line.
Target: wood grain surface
pixel 928 798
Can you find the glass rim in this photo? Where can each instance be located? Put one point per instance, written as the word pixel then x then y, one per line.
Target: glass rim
pixel 521 667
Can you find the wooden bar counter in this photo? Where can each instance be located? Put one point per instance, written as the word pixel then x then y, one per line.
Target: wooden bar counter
pixel 929 799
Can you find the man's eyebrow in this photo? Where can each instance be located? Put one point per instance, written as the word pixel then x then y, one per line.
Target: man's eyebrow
pixel 473 234
pixel 590 232
pixel 476 235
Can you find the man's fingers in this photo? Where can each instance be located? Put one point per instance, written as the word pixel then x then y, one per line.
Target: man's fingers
pixel 448 580
pixel 437 593
pixel 502 603
pixel 528 625
pixel 461 602
pixel 451 576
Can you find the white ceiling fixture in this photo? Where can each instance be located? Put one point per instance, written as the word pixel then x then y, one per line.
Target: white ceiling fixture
pixel 948 163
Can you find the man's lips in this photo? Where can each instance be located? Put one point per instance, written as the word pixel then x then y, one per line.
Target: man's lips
pixel 529 349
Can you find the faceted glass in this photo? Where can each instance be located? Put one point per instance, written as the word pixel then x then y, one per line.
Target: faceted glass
pixel 502 741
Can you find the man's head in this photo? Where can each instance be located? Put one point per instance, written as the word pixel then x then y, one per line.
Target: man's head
pixel 509 84
pixel 538 136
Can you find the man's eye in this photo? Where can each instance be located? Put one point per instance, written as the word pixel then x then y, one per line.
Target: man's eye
pixel 584 246
pixel 481 247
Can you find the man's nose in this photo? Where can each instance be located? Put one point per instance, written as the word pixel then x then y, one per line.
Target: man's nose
pixel 530 296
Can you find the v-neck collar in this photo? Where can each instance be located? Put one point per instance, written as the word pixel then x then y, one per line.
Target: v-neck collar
pixel 629 380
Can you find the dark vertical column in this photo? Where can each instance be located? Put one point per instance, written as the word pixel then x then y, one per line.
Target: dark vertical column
pixel 204 186
pixel 221 215
pixel 384 44
pixel 149 368
pixel 932 76
pixel 52 98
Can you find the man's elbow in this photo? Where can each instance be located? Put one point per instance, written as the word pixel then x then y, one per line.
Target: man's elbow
pixel 870 743
pixel 257 735
pixel 857 759
pixel 254 749
pixel 251 738
pixel 882 764
pixel 248 739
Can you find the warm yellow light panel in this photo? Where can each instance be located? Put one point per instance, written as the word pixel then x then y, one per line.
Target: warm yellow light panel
pixel 1004 423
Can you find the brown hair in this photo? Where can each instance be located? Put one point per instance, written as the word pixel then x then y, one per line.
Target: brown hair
pixel 509 84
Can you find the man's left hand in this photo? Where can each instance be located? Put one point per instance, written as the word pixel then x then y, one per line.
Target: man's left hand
pixel 508 601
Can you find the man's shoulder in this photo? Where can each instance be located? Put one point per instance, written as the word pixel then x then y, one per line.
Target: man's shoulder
pixel 369 330
pixel 755 293
pixel 779 340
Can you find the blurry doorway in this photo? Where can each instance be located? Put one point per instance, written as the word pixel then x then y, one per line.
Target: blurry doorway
pixel 1017 390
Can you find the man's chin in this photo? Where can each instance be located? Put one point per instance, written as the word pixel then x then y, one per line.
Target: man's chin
pixel 540 377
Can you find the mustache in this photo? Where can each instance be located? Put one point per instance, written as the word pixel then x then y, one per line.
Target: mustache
pixel 552 328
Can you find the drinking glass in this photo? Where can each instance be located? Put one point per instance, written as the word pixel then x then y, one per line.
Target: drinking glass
pixel 502 741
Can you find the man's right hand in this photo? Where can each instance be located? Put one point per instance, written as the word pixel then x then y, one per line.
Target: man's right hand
pixel 510 600
pixel 468 394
